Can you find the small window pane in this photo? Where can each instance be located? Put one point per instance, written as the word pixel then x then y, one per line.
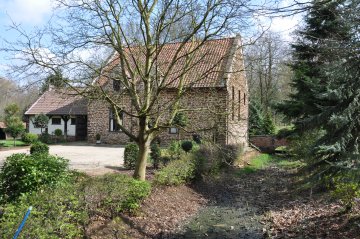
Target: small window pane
pixel 173 130
pixel 114 126
pixel 116 85
pixel 56 121
pixel 73 121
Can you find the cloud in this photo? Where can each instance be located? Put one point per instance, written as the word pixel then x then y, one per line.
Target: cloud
pixel 286 25
pixel 31 12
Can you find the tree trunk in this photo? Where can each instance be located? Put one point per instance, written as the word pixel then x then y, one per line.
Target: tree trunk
pixel 144 148
pixel 14 141
pixel 140 167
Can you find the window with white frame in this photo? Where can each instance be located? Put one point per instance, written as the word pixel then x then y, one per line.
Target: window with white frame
pixel 114 125
pixel 173 130
pixel 56 121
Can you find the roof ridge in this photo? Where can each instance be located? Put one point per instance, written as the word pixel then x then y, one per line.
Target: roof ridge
pixel 208 40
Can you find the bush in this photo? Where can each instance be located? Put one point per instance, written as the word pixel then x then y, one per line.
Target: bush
pixel 186 146
pixel 302 146
pixel 115 193
pixel 130 155
pixel 208 159
pixel 347 190
pixel 39 148
pixel 177 172
pixel 57 213
pixel 165 159
pixel 64 211
pixel 211 158
pixel 58 132
pixel 45 138
pixel 196 138
pixel 155 155
pixel 230 153
pixel 174 149
pixel 23 173
pixel 29 138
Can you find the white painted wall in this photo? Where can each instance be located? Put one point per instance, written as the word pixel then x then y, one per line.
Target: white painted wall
pixel 71 129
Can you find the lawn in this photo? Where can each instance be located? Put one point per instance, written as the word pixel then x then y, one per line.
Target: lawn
pixel 10 143
pixel 264 160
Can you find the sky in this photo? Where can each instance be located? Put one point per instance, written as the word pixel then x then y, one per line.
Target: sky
pixel 32 14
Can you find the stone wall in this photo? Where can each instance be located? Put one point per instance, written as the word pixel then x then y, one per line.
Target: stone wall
pixel 204 111
pixel 237 97
pixel 267 143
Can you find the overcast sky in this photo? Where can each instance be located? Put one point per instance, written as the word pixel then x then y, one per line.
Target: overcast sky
pixel 35 13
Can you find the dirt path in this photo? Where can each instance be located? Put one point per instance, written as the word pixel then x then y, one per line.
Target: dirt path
pixel 237 204
pixel 267 204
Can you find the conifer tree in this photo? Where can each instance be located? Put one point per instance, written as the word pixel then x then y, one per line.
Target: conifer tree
pixel 327 83
pixel 323 23
pixel 340 145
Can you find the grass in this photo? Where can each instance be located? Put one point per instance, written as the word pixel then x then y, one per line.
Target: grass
pixel 265 160
pixel 10 143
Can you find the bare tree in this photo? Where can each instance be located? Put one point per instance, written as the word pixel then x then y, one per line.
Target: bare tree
pixel 267 69
pixel 138 32
pixel 10 92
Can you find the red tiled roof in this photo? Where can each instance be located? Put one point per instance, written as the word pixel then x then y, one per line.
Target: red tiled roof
pixel 208 64
pixel 59 102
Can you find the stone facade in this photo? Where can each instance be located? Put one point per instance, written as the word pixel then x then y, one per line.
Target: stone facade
pixel 205 117
pixel 237 97
pixel 217 113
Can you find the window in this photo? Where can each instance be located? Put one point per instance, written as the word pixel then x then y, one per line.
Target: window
pixel 56 121
pixel 73 121
pixel 113 124
pixel 173 130
pixel 239 108
pixel 117 85
pixel 233 103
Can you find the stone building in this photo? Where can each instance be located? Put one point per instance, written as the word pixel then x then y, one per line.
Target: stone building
pixel 216 99
pixel 221 95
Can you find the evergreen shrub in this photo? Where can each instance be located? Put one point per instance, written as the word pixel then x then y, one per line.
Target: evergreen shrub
pixel 39 148
pixel 130 155
pixel 29 138
pixel 22 173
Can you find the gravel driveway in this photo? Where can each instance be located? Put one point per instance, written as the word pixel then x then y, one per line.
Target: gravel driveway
pixel 92 159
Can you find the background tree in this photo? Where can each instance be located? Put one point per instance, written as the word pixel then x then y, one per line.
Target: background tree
pixel 11 110
pixel 14 125
pixel 10 92
pixel 56 80
pixel 326 84
pixel 137 32
pixel 41 121
pixel 323 23
pixel 260 122
pixel 268 73
pixel 338 148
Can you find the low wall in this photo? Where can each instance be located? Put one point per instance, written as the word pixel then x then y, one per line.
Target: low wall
pixel 267 143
